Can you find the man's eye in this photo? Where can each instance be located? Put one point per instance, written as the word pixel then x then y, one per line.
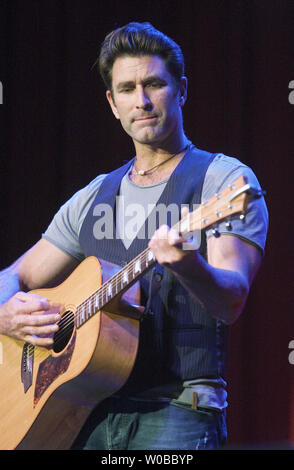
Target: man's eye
pixel 156 85
pixel 126 90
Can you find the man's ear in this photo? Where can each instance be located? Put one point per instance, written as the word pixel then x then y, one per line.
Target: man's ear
pixel 183 90
pixel 112 103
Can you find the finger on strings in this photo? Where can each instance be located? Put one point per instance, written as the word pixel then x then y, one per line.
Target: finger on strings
pixel 39 319
pixel 174 238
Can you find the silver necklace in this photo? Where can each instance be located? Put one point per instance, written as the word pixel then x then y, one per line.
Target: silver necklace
pixel 146 172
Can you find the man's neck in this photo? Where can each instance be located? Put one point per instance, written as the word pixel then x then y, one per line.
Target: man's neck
pixel 157 163
pixel 148 156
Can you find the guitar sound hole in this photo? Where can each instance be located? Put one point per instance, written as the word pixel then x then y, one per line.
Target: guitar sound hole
pixel 62 336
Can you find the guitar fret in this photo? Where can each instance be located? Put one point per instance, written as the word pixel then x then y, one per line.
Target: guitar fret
pixel 79 322
pixel 83 313
pixel 109 291
pixel 137 267
pixel 104 297
pixel 96 303
pixel 116 285
pixel 150 257
pixel 125 278
pixel 90 309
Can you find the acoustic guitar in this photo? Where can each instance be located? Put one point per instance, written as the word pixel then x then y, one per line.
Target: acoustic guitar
pixel 48 393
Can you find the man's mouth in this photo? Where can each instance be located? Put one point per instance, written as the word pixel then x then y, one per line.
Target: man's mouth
pixel 146 118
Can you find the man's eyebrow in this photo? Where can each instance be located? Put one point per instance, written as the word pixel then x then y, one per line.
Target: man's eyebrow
pixel 125 84
pixel 153 78
pixel 145 81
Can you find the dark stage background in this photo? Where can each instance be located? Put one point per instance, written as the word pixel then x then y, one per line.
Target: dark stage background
pixel 58 133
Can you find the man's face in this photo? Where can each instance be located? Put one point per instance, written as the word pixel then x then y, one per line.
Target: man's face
pixel 146 98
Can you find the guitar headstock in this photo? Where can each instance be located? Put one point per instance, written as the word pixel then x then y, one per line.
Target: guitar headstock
pixel 230 202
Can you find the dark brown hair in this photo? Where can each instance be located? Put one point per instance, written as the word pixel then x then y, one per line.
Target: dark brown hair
pixel 137 39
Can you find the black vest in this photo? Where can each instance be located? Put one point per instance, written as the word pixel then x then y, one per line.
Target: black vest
pixel 180 341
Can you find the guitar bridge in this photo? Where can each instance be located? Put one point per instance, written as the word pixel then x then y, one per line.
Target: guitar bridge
pixel 27 361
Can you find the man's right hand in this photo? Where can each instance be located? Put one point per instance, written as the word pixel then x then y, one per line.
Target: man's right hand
pixel 30 318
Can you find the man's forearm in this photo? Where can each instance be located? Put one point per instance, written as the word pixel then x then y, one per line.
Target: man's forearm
pixel 222 293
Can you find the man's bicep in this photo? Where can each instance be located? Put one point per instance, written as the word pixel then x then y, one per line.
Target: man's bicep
pixel 231 253
pixel 44 265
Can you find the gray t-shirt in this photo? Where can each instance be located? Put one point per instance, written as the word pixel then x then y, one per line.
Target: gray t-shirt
pixel 65 227
pixel 134 204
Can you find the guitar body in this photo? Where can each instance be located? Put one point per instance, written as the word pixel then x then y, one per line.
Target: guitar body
pixel 46 395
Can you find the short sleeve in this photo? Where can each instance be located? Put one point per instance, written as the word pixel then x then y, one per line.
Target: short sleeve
pixel 64 229
pixel 222 172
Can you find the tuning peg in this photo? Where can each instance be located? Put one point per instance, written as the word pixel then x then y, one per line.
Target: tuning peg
pixel 229 225
pixel 215 232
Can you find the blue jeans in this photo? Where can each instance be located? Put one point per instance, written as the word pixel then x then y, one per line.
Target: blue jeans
pixel 128 424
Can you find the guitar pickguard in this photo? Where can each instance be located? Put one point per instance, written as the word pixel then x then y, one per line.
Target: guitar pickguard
pixel 51 368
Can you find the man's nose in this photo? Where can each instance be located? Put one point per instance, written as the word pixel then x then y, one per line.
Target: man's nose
pixel 142 100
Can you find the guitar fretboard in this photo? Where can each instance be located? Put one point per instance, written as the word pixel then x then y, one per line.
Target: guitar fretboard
pixel 115 285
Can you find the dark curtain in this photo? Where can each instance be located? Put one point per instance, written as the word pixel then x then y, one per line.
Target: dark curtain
pixel 58 133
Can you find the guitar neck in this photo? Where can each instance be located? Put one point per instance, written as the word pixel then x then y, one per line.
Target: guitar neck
pixel 117 284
